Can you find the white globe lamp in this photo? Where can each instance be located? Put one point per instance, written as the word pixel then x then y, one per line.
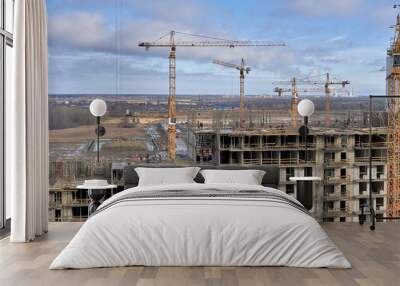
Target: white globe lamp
pixel 98 107
pixel 306 108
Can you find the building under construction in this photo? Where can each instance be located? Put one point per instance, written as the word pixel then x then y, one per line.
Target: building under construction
pixel 339 156
pixel 353 161
pixel 68 203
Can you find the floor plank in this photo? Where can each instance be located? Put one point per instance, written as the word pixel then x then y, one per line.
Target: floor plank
pixel 375 257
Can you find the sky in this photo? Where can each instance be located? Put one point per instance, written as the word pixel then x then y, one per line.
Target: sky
pixel 93 44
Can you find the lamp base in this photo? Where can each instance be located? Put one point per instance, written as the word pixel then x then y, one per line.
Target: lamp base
pixel 96 197
pixel 305 193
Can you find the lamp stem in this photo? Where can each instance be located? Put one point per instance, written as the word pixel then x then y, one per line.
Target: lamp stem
pixel 98 139
pixel 305 138
pixel 370 201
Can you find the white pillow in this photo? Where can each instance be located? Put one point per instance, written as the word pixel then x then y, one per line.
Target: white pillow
pixel 166 176
pixel 248 177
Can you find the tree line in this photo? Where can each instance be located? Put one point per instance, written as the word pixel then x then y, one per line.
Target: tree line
pixel 61 117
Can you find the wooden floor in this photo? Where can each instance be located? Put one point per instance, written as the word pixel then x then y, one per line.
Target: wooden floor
pixel 375 257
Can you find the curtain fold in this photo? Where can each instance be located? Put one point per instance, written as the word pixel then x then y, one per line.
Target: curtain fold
pixel 27 155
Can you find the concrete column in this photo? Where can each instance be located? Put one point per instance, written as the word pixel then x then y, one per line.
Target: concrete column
pixel 356 172
pixel 374 175
pixel 318 200
pixel 279 157
pixel 217 148
pixel 260 152
pixel 282 174
pixel 351 142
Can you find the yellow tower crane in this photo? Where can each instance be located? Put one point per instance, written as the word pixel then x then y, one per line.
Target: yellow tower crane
pixel 243 69
pixel 328 101
pixel 294 91
pixel 393 128
pixel 293 111
pixel 327 83
pixel 172 44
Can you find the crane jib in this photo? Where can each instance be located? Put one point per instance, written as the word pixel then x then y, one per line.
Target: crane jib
pixel 210 44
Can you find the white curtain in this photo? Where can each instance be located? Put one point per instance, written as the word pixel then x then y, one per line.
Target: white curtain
pixel 27 124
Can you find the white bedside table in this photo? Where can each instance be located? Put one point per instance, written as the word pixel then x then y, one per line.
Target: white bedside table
pixel 295 179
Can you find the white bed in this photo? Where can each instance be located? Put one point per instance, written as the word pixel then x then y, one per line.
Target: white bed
pixel 202 231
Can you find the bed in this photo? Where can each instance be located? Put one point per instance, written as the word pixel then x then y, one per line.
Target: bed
pixel 197 224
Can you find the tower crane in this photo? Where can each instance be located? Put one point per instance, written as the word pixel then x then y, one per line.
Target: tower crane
pixel 243 69
pixel 327 89
pixel 172 44
pixel 328 99
pixel 393 126
pixel 294 100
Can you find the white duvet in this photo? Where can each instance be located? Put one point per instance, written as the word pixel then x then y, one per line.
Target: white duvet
pixel 202 232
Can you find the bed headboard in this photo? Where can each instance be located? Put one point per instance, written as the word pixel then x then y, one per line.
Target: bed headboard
pixel 271 178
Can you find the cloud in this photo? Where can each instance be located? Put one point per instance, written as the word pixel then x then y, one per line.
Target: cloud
pixel 91 32
pixel 80 30
pixel 172 10
pixel 361 56
pixel 384 15
pixel 95 56
pixel 91 43
pixel 325 7
pixel 336 39
pixel 95 73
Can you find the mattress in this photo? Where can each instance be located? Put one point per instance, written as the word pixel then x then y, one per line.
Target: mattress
pixel 201 225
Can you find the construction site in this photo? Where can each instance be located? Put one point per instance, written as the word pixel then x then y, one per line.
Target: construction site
pixel 353 161
pixel 355 154
pixel 340 157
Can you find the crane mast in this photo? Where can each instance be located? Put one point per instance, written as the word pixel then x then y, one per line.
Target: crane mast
pixel 172 44
pixel 393 128
pixel 294 103
pixel 241 107
pixel 328 99
pixel 172 99
pixel 243 69
pixel 328 102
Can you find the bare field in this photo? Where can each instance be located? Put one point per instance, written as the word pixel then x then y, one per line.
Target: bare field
pixel 83 133
pixel 150 120
pixel 112 120
pixel 125 146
